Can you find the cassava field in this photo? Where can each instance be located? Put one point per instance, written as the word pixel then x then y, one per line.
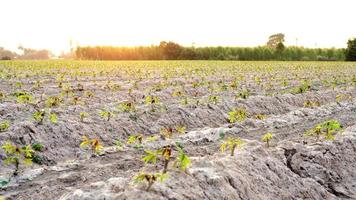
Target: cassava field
pixel 177 130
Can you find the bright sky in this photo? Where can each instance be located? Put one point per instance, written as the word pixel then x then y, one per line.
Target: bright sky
pixel 52 23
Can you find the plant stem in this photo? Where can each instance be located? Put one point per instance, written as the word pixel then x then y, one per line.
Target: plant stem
pixel 233 150
pixel 166 161
pixel 150 183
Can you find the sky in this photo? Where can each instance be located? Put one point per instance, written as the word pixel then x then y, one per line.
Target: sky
pixel 52 24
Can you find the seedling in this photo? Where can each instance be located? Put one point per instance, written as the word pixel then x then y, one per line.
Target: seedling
pixel 152 101
pixel 83 115
pixel 182 160
pixel 76 100
pixel 53 101
pixel 151 156
pixel 152 138
pixel 184 101
pixel 4 126
pixel 4 182
pixel 2 96
pixel 237 115
pixel 213 99
pixel 166 153
pixel 24 99
pixel 181 130
pixel 177 93
pixel 94 144
pixel 311 104
pixel 326 129
pixel 267 138
pixel 88 94
pixel 150 178
pixel 106 114
pixel 16 155
pixel 118 144
pixel 39 116
pixel 18 84
pixel 53 118
pixel 234 84
pixel 221 134
pixel 37 146
pixel 231 143
pixel 126 107
pixel 260 116
pixel 138 139
pixel 243 94
pixel 166 132
pixel 302 88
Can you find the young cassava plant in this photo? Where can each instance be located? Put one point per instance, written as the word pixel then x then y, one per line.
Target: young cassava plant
pixel 237 115
pixel 326 129
pixel 267 138
pixel 93 144
pixel 150 178
pixel 15 155
pixel 4 126
pixel 232 144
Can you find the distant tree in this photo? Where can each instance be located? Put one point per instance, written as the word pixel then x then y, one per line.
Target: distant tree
pixel 34 54
pixel 6 54
pixel 171 50
pixel 280 47
pixel 351 50
pixel 276 40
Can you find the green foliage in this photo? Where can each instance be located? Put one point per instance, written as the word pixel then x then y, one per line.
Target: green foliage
pixel 37 146
pixel 25 99
pixel 151 156
pixel 53 118
pixel 39 115
pixel 267 138
pixel 83 115
pixel 181 130
pixel 311 104
pixel 221 134
pixel 175 51
pixel 150 178
pixel 302 88
pixel 2 96
pixel 53 101
pixel 326 129
pixel 17 155
pixel 106 114
pixel 4 182
pixel 213 99
pixel 237 115
pixel 243 94
pixel 94 144
pixel 152 101
pixel 351 50
pixel 127 107
pixel 260 116
pixel 138 139
pixel 232 144
pixel 182 160
pixel 4 126
pixel 118 144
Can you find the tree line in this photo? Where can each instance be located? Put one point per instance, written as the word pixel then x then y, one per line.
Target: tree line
pixel 26 54
pixel 273 50
pixel 173 51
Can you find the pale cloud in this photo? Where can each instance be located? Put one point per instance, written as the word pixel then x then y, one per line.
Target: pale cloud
pixel 52 23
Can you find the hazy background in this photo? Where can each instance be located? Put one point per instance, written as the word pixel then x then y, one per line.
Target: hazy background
pixel 51 24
